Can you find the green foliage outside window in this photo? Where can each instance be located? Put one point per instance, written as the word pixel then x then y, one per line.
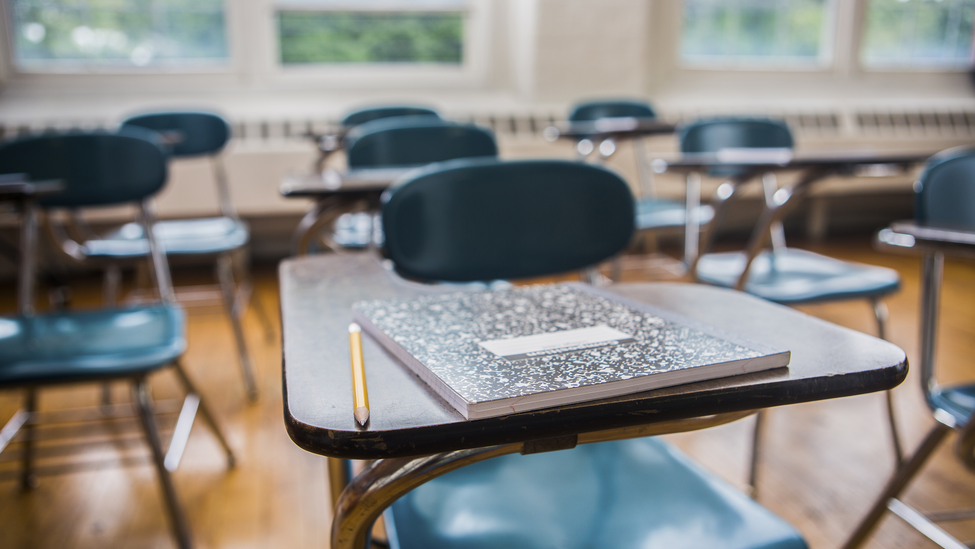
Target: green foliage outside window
pixel 728 31
pixel 119 32
pixel 367 37
pixel 918 33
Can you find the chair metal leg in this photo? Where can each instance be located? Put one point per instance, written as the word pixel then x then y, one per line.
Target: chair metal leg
pixel 921 523
pixel 756 454
pixel 226 278
pixel 110 285
pixel 178 520
pixel 28 480
pixel 881 314
pixel 207 415
pixel 257 303
pixel 339 476
pixel 902 476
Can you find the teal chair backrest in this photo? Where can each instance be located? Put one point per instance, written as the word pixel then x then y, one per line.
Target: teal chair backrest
pixel 189 133
pixel 486 219
pixel 708 136
pixel 414 141
pixel 594 110
pixel 97 168
pixel 712 135
pixel 944 195
pixel 375 113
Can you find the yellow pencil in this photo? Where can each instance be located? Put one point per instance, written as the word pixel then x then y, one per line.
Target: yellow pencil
pixel 360 397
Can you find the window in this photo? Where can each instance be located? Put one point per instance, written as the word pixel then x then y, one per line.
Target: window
pixel 118 33
pixel 403 32
pixel 748 33
pixel 918 33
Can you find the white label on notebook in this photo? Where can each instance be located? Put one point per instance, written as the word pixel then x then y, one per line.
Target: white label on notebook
pixel 566 341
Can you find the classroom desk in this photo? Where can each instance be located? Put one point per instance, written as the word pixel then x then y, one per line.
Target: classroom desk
pixel 750 163
pixel 336 193
pixel 608 128
pixel 417 436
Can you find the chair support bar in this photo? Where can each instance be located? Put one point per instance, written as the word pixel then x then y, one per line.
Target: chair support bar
pixel 897 483
pixel 385 481
pixel 10 430
pixel 930 530
pixel 181 433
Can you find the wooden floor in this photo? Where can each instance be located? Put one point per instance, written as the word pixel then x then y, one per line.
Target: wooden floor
pixel 824 462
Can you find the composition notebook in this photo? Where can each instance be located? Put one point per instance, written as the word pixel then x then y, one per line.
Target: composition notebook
pixel 502 352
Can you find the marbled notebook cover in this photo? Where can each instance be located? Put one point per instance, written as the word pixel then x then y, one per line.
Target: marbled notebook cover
pixel 437 336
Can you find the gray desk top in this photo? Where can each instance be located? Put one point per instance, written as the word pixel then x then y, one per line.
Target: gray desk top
pixel 332 182
pixel 408 419
pixel 783 159
pixel 616 128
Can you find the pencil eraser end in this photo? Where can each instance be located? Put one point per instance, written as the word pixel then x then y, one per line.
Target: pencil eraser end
pixel 353 328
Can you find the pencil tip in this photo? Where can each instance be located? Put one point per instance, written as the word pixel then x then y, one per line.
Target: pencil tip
pixel 361 415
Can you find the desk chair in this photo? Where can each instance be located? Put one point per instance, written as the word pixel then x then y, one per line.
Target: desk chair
pixel 483 219
pixel 400 141
pixel 783 275
pixel 329 143
pixel 194 134
pixel 414 141
pixel 369 114
pixel 944 198
pixel 653 214
pixel 115 344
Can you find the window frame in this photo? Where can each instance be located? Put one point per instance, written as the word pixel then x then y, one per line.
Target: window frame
pixel 472 71
pixel 845 31
pixel 229 65
pixel 823 62
pixel 257 60
pixel 858 57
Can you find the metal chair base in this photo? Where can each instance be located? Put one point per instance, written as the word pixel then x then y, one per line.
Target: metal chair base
pixel 165 462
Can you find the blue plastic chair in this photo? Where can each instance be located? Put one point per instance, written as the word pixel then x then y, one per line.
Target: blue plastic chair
pixel 414 141
pixel 783 275
pixel 398 141
pixel 457 221
pixel 194 134
pixel 944 199
pixel 368 114
pixel 653 214
pixel 588 111
pixel 117 344
pixel 329 143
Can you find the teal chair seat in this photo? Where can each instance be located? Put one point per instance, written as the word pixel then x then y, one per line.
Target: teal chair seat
pixel 658 214
pixel 958 401
pixel 178 237
pixel 67 347
pixel 639 493
pixel 791 276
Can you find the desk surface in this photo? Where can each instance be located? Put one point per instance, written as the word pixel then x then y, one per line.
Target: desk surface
pixel 408 419
pixel 751 158
pixel 16 186
pixel 605 128
pixel 332 182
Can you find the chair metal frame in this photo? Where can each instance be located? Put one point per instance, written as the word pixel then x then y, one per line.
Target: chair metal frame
pixel 768 231
pixel 316 225
pixel 693 210
pixel 933 244
pixel 27 419
pixel 234 290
